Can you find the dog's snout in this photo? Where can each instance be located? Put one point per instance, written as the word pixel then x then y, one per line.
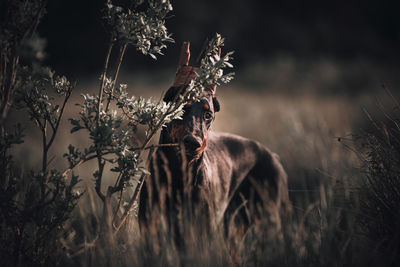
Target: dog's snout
pixel 191 142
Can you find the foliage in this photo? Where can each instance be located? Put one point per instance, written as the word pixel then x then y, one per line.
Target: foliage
pixel 35 204
pixel 145 30
pixel 33 216
pixel 380 191
pixel 113 131
pixel 211 71
pixel 17 26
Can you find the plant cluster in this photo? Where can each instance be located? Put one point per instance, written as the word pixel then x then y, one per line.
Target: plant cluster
pixel 112 119
pixel 36 203
pixel 211 70
pixel 145 30
pixel 380 191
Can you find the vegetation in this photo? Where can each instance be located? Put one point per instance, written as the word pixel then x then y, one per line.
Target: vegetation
pixel 36 203
pixel 345 203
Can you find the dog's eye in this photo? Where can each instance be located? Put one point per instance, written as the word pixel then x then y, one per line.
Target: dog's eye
pixel 208 115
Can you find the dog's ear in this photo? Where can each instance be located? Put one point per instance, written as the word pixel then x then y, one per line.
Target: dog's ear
pixel 217 107
pixel 171 94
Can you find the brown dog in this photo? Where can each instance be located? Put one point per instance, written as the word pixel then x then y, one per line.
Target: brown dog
pixel 229 174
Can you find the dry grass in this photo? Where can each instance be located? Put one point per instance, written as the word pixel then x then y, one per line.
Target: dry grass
pixel 323 178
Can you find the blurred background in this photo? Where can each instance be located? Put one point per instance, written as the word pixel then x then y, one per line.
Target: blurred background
pixel 324 46
pixel 306 71
pixel 310 76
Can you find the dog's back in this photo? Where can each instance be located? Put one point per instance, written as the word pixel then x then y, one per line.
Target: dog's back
pixel 237 169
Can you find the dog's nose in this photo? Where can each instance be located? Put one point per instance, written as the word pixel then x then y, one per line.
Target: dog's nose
pixel 191 142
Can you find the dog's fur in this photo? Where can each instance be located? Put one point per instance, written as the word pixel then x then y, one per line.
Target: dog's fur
pixel 223 174
pixel 228 171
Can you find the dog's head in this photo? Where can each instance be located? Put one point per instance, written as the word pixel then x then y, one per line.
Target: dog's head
pixel 198 115
pixel 192 130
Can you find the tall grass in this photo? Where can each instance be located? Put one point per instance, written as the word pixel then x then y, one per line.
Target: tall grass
pixel 338 216
pixel 324 180
pixel 379 216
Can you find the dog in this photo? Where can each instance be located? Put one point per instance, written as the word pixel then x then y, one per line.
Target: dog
pixel 226 176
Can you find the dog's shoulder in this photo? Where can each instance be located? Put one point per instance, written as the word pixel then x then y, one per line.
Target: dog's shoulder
pixel 236 144
pixel 243 149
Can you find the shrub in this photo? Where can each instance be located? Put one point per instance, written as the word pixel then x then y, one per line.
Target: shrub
pixel 380 193
pixel 35 204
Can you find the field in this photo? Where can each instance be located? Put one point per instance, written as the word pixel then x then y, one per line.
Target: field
pixel 310 85
pixel 314 137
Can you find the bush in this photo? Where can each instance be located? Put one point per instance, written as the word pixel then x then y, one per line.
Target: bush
pixel 380 193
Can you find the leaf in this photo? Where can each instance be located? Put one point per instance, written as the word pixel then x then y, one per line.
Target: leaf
pixel 76 128
pixel 74 122
pixel 153 56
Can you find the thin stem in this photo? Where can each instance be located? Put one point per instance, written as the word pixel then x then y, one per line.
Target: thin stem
pixel 154 146
pixel 44 147
pixel 103 78
pixel 101 163
pixel 131 202
pixel 171 109
pixel 142 148
pixel 119 177
pixel 55 128
pixel 80 162
pixel 44 159
pixel 8 89
pixel 66 171
pixel 118 206
pixel 121 57
pixel 134 197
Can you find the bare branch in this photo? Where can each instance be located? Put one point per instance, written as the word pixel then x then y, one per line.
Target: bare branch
pixel 66 171
pixel 154 146
pixel 117 208
pixel 99 178
pixel 103 78
pixel 55 128
pixel 121 56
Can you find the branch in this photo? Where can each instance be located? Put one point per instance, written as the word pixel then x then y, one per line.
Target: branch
pixel 118 207
pixel 55 128
pixel 170 110
pixel 66 171
pixel 121 56
pixel 134 197
pixel 44 147
pixel 99 178
pixel 103 78
pixel 154 146
pixel 44 160
pixel 98 151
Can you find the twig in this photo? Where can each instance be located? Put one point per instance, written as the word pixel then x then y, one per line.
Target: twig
pixel 121 57
pixel 55 128
pixel 118 206
pixel 44 147
pixel 134 197
pixel 101 163
pixel 119 177
pixel 154 146
pixel 99 178
pixel 66 171
pixel 103 78
pixel 80 162
pixel 204 49
pixel 171 109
